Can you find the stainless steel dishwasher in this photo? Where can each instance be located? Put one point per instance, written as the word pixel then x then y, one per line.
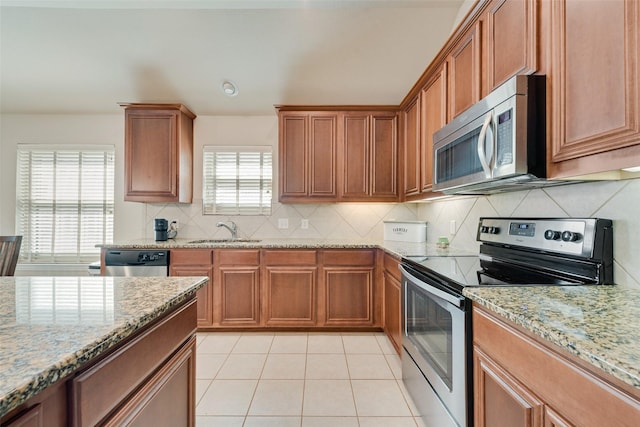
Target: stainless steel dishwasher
pixel 136 262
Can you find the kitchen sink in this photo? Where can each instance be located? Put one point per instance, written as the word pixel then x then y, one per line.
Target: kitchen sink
pixel 205 241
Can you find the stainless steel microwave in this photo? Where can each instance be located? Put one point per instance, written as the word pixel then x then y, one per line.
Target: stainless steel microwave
pixel 496 145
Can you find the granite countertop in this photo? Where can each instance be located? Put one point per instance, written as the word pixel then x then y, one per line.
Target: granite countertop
pixel 599 324
pixel 51 326
pixel 392 247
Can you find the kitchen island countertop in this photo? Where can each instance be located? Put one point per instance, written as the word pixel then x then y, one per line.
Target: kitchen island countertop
pixel 51 326
pixel 598 324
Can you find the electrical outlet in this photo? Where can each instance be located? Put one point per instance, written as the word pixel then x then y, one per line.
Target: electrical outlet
pixel 283 223
pixel 304 224
pixel 176 224
pixel 452 227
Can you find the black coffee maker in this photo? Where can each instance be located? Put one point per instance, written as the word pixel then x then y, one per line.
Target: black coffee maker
pixel 161 226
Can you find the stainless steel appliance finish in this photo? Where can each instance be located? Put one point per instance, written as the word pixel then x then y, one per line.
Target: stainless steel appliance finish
pixel 436 366
pixel 142 263
pixel 496 145
pixel 436 323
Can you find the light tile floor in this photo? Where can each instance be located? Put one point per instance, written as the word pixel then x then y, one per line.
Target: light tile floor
pixel 288 379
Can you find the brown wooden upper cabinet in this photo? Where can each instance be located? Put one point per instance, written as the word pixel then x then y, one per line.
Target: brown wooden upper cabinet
pixel 423 116
pixel 158 153
pixel 336 155
pixel 433 116
pixel 594 94
pixel 369 156
pixel 307 154
pixel 511 40
pixel 465 72
pixel 411 147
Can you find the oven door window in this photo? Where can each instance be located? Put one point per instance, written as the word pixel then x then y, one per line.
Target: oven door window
pixel 429 328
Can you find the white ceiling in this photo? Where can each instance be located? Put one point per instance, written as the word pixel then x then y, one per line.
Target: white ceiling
pixel 73 57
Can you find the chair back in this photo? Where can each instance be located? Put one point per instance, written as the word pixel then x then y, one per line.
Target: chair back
pixel 9 252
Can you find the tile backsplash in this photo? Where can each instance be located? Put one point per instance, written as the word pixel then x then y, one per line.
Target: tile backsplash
pixel 363 222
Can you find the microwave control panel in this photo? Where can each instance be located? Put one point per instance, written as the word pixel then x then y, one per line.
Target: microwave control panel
pixel 504 130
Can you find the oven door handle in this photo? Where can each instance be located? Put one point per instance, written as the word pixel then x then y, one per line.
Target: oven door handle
pixel 458 301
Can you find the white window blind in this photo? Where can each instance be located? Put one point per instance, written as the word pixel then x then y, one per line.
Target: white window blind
pixel 64 202
pixel 237 180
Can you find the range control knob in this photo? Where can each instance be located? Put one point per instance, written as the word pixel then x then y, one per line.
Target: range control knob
pixel 570 236
pixel 552 235
pixel 494 230
pixel 484 229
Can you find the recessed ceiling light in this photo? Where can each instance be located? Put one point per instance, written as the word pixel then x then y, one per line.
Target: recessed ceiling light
pixel 229 88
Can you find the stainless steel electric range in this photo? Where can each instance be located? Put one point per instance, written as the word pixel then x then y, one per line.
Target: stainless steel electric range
pixel 436 360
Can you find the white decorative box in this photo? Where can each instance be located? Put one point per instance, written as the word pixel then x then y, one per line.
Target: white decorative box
pixel 405 231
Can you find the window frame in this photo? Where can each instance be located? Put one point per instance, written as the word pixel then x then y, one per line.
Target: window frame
pixel 209 184
pixel 44 248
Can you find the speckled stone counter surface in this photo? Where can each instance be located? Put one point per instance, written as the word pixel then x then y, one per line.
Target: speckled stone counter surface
pixel 599 324
pixel 51 326
pixel 396 248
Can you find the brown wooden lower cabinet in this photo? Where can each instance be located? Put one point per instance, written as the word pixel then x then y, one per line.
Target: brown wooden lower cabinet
pixel 522 380
pixel 196 262
pixel 237 288
pixel 149 380
pixel 286 288
pixel 349 287
pixel 290 296
pixel 392 289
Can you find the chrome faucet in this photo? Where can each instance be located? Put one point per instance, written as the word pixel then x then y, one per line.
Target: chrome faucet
pixel 233 229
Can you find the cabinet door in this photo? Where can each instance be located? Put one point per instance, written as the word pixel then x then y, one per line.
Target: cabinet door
pixel 204 296
pixel 293 155
pixel 196 262
pixel 594 90
pixel 411 148
pixel 290 296
pixel 240 295
pixel 434 116
pixel 356 156
pixel 323 149
pixel 384 157
pixel 553 419
pixel 349 296
pixel 158 153
pixel 307 153
pixel 392 310
pixel 511 40
pixel 500 401
pixel 167 398
pixel 464 72
pixel 151 153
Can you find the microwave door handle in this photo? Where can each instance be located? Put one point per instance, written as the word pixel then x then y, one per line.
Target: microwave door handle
pixel 482 155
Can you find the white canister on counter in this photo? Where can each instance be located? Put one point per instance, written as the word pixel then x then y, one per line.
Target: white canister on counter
pixel 405 231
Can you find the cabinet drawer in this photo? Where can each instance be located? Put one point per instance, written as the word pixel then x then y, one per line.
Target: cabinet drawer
pixel 349 257
pixel 98 390
pixel 293 257
pixel 237 257
pixel 391 265
pixel 190 256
